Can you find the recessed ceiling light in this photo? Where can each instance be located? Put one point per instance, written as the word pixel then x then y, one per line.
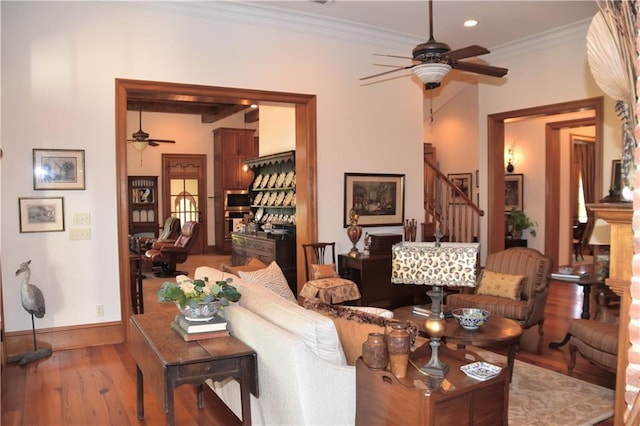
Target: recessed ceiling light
pixel 470 23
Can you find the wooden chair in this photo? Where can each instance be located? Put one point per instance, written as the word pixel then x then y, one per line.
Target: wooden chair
pixel 528 309
pixel 322 279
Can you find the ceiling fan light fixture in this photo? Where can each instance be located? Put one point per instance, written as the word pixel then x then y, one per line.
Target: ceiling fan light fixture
pixel 431 72
pixel 140 145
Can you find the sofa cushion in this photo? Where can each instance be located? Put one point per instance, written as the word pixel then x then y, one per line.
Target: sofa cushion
pixel 317 331
pixel 270 278
pixel 354 326
pixel 323 271
pixel 501 285
pixel 252 264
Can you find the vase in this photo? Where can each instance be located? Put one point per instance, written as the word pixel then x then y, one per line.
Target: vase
pixel 516 234
pixel 354 232
pixel 202 312
pixel 398 343
pixel 374 351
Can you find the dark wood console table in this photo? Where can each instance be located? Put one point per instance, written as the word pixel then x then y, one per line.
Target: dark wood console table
pixel 167 362
pixel 372 274
pixel 383 399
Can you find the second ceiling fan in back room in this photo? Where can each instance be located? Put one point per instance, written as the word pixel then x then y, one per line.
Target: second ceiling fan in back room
pixel 433 60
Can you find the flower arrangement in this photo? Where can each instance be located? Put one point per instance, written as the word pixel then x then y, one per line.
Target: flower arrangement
pixel 188 292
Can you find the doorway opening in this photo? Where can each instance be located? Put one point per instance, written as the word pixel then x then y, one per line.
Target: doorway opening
pixel 306 159
pixel 496 167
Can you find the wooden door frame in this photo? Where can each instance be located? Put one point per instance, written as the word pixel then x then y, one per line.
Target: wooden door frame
pixel 201 243
pixel 306 162
pixel 495 166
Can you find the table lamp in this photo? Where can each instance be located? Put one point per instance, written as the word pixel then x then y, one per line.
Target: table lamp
pixel 435 264
pixel 601 239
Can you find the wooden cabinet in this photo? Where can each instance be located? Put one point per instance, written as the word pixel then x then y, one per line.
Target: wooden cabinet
pixel 372 274
pixel 273 190
pixel 231 147
pixel 267 248
pixel 143 205
pixel 382 399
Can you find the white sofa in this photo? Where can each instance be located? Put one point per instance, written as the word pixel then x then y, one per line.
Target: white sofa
pixel 303 375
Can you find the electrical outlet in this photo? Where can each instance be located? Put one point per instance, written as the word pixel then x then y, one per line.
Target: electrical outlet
pixel 99 310
pixel 80 234
pixel 82 218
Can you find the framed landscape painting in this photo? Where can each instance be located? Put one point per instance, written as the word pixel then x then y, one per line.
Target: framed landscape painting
pixel 513 192
pixel 378 199
pixel 44 214
pixel 58 169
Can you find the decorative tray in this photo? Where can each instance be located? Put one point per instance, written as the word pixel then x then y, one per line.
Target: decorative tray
pixel 288 180
pixel 481 370
pixel 256 201
pixel 257 182
pixel 265 180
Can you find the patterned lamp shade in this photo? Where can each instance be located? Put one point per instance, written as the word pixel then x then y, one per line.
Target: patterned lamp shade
pixel 450 264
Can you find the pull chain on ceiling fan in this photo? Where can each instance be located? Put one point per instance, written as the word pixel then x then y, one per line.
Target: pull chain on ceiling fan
pixel 433 60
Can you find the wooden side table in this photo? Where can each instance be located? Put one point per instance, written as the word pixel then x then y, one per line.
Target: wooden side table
pixel 383 399
pixel 167 362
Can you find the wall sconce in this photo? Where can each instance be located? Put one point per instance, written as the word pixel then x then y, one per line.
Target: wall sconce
pixel 510 158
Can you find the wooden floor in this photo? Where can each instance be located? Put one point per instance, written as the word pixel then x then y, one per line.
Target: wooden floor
pixel 97 385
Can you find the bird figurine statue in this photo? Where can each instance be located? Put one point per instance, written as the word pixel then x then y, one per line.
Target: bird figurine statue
pixel 33 302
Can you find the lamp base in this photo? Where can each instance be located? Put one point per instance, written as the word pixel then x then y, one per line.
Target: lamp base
pixel 435 367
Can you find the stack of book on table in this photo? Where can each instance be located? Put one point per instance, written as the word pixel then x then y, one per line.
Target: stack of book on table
pixel 569 276
pixel 200 330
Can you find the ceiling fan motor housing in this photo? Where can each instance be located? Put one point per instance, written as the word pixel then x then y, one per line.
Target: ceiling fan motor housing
pixel 430 51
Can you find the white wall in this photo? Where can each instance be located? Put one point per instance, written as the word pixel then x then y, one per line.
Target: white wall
pixel 59 63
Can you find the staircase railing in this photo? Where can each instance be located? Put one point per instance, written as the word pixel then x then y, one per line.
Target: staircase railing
pixel 448 209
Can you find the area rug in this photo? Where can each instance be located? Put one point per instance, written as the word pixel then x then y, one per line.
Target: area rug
pixel 541 397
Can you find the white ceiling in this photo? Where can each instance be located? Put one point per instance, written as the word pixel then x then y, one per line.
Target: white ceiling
pixel 500 22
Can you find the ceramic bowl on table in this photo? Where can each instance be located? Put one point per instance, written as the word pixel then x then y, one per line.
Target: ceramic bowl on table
pixel 471 318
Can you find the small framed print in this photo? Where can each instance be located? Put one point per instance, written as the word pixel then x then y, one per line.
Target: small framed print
pixel 41 214
pixel 58 169
pixel 513 192
pixel 463 182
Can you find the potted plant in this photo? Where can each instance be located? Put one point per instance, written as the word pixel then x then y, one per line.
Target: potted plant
pixel 519 221
pixel 199 299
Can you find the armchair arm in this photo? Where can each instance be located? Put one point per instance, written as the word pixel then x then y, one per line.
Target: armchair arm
pixel 171 249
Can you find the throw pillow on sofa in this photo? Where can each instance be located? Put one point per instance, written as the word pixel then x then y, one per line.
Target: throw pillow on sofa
pixel 324 271
pixel 271 278
pixel 251 265
pixel 354 326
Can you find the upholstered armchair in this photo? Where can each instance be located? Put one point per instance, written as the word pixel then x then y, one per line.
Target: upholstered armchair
pixel 514 284
pixel 170 233
pixel 168 255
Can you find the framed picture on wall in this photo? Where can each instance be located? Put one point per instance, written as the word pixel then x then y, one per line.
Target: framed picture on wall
pixel 58 169
pixel 513 192
pixel 464 182
pixel 44 214
pixel 616 175
pixel 377 198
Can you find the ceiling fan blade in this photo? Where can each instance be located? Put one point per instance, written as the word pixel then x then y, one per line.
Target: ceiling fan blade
pixel 387 72
pixel 466 52
pixel 480 69
pixel 157 141
pixel 393 56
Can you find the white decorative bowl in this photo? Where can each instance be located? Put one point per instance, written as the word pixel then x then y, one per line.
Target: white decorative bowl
pixel 471 318
pixel 203 312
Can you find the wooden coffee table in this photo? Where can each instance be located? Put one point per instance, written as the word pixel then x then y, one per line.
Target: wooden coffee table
pixel 498 331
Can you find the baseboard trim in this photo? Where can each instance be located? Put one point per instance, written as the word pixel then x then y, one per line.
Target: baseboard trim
pixel 62 338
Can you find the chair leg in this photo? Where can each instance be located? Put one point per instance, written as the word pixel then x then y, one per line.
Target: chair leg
pixel 540 328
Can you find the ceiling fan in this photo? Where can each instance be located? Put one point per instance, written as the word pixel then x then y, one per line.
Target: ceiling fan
pixel 142 138
pixel 433 60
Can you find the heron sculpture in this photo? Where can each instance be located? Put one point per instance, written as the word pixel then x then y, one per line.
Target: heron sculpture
pixel 33 302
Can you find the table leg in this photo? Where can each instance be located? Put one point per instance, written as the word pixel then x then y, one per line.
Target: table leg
pixel 245 390
pixel 513 348
pixel 586 291
pixel 140 298
pixel 170 415
pixel 139 393
pixel 200 390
